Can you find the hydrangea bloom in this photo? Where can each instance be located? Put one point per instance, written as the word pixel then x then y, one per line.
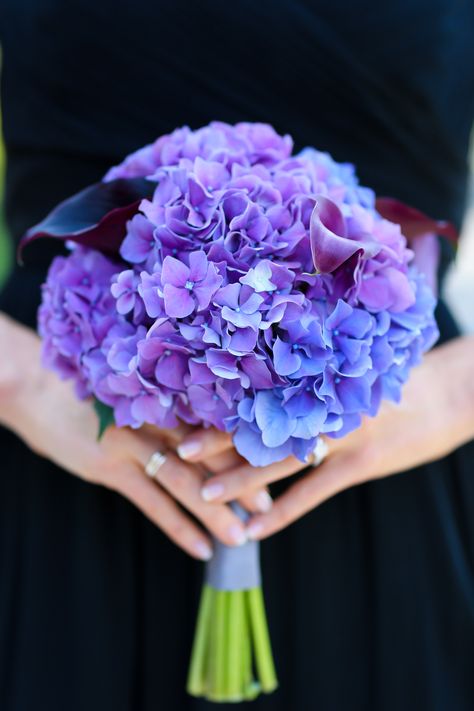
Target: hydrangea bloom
pixel 256 291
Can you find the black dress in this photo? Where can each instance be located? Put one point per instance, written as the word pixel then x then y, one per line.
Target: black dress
pixel 371 596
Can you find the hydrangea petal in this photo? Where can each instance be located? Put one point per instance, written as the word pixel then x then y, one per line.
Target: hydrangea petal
pixel 178 302
pixel 272 419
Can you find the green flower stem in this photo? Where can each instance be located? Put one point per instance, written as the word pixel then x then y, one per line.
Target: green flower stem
pixel 235 644
pixel 230 644
pixel 218 648
pixel 197 682
pixel 261 641
pixel 251 688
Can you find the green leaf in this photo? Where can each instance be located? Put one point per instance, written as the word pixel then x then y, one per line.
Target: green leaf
pixel 106 417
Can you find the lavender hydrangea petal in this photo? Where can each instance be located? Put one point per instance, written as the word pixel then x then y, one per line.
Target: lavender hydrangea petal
pixel 178 302
pixel 174 272
pixel 259 278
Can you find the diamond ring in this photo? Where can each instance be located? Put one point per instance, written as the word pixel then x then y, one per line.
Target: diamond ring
pixel 154 464
pixel 319 453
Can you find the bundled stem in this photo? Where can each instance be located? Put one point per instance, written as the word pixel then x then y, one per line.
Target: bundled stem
pixel 198 670
pixel 231 658
pixel 261 640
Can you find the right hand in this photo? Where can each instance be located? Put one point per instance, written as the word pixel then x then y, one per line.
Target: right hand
pixel 46 414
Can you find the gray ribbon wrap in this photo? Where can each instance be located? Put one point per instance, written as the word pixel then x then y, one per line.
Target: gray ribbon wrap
pixel 234 567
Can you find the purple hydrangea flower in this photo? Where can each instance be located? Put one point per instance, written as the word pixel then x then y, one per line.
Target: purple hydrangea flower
pixel 257 291
pixel 186 289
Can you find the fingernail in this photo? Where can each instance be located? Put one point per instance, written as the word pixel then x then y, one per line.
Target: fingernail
pixel 212 491
pixel 254 530
pixel 263 501
pixel 237 535
pixel 203 550
pixel 188 449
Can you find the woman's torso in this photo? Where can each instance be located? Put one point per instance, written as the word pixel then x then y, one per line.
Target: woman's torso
pixel 387 87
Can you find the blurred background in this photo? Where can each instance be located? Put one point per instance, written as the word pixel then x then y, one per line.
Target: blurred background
pixel 5 248
pixel 458 289
pixel 459 286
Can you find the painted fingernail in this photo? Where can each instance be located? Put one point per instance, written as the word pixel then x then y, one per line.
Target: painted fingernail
pixel 254 530
pixel 263 501
pixel 186 450
pixel 212 491
pixel 237 535
pixel 203 550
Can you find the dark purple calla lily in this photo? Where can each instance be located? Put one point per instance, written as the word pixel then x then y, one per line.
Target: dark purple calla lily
pixel 94 217
pixel 413 222
pixel 329 245
pixel 421 232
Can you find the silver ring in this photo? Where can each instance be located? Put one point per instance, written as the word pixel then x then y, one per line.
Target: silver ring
pixel 319 453
pixel 154 464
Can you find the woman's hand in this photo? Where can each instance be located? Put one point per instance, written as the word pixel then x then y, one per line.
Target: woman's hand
pixel 46 414
pixel 435 416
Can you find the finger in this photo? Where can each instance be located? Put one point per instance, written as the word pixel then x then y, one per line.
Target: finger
pixel 259 501
pixel 164 513
pixel 222 462
pixel 184 482
pixel 321 483
pixel 203 444
pixel 172 437
pixel 255 501
pixel 239 481
pixel 338 444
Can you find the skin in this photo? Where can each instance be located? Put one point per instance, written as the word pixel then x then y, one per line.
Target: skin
pixel 435 416
pixel 46 414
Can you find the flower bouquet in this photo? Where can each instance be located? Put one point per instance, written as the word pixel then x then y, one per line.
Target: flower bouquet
pixel 217 279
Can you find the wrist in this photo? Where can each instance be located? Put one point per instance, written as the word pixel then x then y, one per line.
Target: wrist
pixel 468 361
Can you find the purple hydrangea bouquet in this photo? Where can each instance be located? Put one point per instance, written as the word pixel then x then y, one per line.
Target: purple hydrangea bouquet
pixel 216 279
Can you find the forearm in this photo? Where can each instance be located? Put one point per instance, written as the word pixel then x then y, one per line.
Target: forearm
pixel 20 368
pixel 453 367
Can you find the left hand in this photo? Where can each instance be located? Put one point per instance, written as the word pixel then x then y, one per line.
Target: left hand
pixel 435 415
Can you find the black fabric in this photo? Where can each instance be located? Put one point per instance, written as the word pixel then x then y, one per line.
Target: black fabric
pixel 371 596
